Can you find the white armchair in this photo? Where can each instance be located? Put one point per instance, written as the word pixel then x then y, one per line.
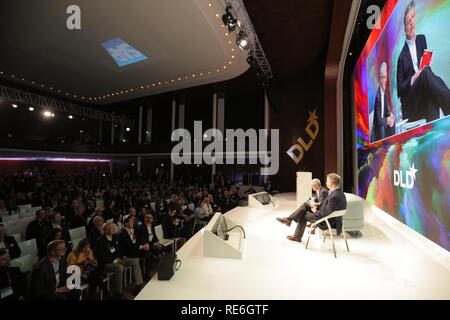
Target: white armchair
pixel 335 214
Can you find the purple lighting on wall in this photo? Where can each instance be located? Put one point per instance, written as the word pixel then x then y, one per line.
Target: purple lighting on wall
pixel 54 159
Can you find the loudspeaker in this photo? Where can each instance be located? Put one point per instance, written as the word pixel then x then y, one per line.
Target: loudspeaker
pixel 168 265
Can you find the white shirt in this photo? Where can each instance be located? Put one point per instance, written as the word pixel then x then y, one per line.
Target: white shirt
pixel 413 51
pixel 382 101
pixel 208 208
pixel 150 233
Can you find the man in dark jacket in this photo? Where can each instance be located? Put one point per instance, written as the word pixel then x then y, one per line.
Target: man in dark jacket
pixel 49 276
pixel 318 197
pixel 9 243
pixel 146 234
pixel 12 281
pixel 36 230
pixel 335 201
pixel 421 92
pixel 111 259
pixel 131 248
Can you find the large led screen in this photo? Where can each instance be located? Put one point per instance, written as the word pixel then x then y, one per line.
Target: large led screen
pixel 402 100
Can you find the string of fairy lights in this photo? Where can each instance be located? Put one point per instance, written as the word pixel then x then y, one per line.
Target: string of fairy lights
pixel 156 84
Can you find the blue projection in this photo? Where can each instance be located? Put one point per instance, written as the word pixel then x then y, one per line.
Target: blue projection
pixel 122 53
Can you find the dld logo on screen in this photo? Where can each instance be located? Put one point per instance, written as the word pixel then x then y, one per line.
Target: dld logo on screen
pixel 406 179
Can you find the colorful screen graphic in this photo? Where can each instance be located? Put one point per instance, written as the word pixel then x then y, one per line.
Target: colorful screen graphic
pixel 403 127
pixel 122 53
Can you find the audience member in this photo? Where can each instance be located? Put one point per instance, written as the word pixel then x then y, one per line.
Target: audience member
pixel 9 244
pixel 83 257
pixel 110 259
pixel 12 281
pixel 49 276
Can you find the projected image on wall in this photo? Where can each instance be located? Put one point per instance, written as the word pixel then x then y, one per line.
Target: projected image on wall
pixel 402 105
pixel 408 69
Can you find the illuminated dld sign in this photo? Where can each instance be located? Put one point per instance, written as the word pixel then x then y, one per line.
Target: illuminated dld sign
pixel 297 151
pixel 405 180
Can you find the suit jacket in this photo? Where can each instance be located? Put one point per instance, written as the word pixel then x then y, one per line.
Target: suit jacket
pixel 143 235
pixel 380 128
pixel 323 194
pixel 127 247
pixel 12 247
pixel 94 235
pixel 36 230
pixel 405 71
pixel 107 251
pixel 335 201
pixel 43 282
pixel 18 282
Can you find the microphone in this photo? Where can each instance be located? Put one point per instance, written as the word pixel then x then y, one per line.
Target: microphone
pixel 237 227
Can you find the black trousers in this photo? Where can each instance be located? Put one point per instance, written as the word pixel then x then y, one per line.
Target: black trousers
pixel 427 94
pixel 302 215
pixel 71 295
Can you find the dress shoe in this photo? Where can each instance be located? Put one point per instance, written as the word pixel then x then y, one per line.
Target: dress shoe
pixel 292 238
pixel 286 221
pixel 308 225
pixel 313 231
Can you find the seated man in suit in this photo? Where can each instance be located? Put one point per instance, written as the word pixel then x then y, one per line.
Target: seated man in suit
pixel 49 276
pixel 131 248
pixel 421 92
pixel 146 235
pixel 111 259
pixel 9 243
pixel 383 119
pixel 12 280
pixel 37 228
pixel 97 230
pixel 319 195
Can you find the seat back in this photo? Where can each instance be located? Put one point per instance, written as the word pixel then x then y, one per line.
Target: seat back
pixel 11 218
pixel 77 233
pixel 34 209
pixel 24 207
pixel 27 214
pixel 153 205
pixel 16 236
pixel 17 228
pixel 29 247
pixel 159 232
pixel 24 263
pixel 75 243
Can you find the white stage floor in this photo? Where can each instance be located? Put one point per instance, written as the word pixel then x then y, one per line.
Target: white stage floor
pixel 390 261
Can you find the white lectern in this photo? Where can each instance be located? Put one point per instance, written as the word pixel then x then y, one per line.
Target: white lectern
pixel 303 186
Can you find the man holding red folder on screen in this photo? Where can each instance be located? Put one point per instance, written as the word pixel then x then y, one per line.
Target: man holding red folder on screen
pixel 421 92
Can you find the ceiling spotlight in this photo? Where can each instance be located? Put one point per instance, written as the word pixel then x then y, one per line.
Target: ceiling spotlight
pixel 47 114
pixel 229 20
pixel 14 106
pixel 242 41
pixel 53 115
pixel 31 108
pixel 252 61
pixel 128 129
pixel 70 116
pixel 81 131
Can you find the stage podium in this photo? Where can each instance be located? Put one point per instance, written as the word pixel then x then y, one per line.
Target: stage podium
pixel 303 187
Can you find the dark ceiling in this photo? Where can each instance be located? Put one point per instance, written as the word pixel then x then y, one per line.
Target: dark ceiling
pixel 293 33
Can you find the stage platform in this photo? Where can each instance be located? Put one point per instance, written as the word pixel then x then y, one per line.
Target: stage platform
pixel 390 261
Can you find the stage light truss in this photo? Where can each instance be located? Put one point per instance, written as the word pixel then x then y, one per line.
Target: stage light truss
pixel 30 99
pixel 237 9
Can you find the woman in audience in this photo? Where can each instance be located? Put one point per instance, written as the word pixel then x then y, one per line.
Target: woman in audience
pixel 118 222
pixel 83 257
